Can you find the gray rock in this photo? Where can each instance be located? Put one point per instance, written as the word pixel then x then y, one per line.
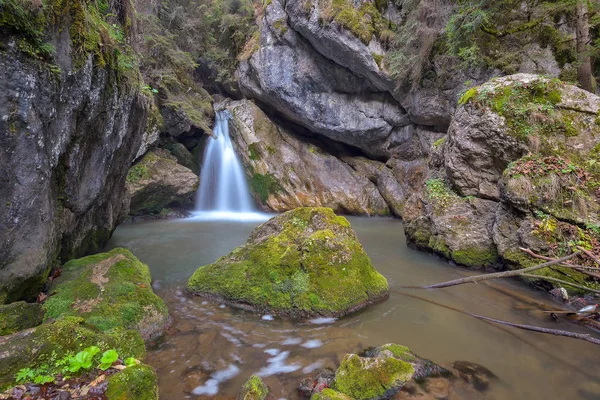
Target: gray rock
pixel 298 173
pixel 157 181
pixel 318 94
pixel 66 142
pixel 183 155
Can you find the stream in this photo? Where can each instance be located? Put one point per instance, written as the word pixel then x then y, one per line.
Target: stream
pixel 212 349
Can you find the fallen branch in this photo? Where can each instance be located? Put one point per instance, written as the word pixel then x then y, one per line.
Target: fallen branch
pixel 589 254
pixel 496 275
pixel 578 268
pixel 548 278
pixel 556 332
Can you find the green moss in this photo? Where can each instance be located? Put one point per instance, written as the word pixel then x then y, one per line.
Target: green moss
pixel 467 96
pixel 363 21
pixel 263 186
pixel 310 264
pixel 110 291
pixel 329 394
pixel 253 151
pixel 440 195
pixel 254 389
pixel 50 342
pixel 18 316
pixel 530 109
pixel 370 378
pixel 138 382
pixel 400 352
pixel 475 256
pixel 439 142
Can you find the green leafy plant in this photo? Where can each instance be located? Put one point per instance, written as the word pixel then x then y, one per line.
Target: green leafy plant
pixel 130 362
pixel 108 358
pixel 83 359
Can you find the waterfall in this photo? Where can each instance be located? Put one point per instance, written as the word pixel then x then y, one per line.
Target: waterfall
pixel 223 192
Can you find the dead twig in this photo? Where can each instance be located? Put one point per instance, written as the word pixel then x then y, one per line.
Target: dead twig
pixel 578 268
pixel 589 254
pixel 555 332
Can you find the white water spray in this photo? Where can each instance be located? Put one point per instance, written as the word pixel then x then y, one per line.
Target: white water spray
pixel 223 192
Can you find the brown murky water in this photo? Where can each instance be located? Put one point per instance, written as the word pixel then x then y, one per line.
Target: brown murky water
pixel 213 349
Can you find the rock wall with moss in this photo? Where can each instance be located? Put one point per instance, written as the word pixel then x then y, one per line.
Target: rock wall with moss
pixel 518 169
pixel 72 121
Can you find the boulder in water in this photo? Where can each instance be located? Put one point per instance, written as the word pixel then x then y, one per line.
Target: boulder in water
pixel 254 389
pixel 304 263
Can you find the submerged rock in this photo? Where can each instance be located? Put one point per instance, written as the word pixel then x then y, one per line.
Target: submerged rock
pixel 110 291
pixel 158 181
pixel 304 263
pixel 18 316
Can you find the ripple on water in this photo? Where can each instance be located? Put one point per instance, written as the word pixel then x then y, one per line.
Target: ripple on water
pixel 211 386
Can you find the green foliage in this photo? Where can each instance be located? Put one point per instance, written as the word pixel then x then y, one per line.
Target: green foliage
pixel 70 364
pixel 364 21
pixel 440 194
pixel 83 359
pixel 496 34
pixel 108 358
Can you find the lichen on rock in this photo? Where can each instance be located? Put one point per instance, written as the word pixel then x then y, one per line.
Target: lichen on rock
pixel 306 262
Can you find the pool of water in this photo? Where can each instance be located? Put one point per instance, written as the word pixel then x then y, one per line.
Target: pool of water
pixel 212 349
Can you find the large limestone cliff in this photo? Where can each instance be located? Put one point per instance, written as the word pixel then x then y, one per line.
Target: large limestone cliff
pixel 69 130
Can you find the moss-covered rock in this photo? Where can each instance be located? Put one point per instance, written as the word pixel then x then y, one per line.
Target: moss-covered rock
pixel 157 181
pixel 138 382
pixel 371 378
pixel 50 342
pixel 18 316
pixel 305 262
pixel 330 394
pixel 110 291
pixel 254 389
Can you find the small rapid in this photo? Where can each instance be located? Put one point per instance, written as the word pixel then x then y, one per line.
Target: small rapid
pixel 223 193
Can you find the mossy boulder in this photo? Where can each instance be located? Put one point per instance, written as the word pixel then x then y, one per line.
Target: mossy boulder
pixel 138 382
pixel 330 394
pixel 50 342
pixel 304 263
pixel 254 389
pixel 20 315
pixel 371 378
pixel 111 291
pixel 157 181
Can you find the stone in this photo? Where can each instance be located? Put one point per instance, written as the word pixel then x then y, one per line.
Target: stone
pixel 183 156
pixel 304 263
pixel 324 97
pixel 50 342
pixel 66 142
pixel 363 378
pixel 18 316
pixel 110 291
pixel 157 181
pixel 138 382
pixel 286 171
pixel 254 389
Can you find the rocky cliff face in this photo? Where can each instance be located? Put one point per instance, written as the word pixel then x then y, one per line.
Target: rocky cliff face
pixel 67 138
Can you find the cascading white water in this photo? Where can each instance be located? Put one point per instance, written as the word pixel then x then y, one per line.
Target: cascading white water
pixel 223 192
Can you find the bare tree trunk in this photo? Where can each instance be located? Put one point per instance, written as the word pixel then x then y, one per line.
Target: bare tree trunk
pixel 584 60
